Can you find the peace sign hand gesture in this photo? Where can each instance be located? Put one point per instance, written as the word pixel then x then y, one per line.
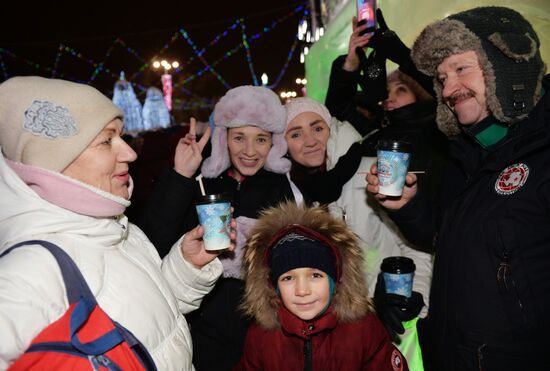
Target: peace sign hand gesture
pixel 188 156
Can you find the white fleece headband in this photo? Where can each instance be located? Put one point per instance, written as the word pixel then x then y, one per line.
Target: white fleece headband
pixel 47 123
pixel 247 106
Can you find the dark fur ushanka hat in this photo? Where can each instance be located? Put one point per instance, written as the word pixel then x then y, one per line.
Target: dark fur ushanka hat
pixel 507 47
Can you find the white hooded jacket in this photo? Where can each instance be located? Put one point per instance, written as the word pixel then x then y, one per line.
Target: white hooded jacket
pixel 145 294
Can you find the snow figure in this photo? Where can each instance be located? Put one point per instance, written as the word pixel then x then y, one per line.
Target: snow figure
pixel 125 98
pixel 155 113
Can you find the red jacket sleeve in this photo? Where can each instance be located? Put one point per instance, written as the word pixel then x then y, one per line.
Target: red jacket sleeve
pixel 381 354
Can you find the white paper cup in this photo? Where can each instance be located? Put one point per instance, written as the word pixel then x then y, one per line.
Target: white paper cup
pixel 393 164
pixel 214 212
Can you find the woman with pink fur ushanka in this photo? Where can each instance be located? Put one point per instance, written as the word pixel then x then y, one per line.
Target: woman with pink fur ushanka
pixel 247 163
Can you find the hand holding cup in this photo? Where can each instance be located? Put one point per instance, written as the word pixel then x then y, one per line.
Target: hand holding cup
pixel 391 202
pixel 193 245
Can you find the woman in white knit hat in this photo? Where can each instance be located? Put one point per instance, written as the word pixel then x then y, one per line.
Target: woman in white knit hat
pixel 328 168
pixel 246 163
pixel 64 180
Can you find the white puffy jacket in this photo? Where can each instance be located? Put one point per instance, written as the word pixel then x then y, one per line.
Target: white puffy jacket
pixel 147 295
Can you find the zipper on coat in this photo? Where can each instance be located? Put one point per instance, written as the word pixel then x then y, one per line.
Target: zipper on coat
pixel 505 279
pixel 117 220
pixel 480 357
pixel 504 271
pixel 308 358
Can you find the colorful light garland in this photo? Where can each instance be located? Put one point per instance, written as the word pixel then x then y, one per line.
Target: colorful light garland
pixel 203 60
pixel 199 52
pixel 99 66
pixel 248 55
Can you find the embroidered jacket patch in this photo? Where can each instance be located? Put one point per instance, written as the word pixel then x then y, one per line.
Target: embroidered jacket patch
pixel 511 179
pixel 396 361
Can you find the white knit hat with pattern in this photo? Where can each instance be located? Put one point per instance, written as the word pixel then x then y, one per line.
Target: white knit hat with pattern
pixel 48 122
pixel 304 104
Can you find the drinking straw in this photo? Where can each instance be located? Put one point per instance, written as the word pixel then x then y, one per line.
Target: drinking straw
pixel 370 133
pixel 199 179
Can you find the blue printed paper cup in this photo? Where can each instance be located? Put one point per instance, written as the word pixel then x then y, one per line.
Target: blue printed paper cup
pixel 400 284
pixel 393 164
pixel 398 272
pixel 214 213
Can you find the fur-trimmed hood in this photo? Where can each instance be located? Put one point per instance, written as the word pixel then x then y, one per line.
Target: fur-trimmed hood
pixel 507 47
pixel 350 301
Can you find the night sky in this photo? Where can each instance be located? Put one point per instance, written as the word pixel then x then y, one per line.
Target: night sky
pixel 31 33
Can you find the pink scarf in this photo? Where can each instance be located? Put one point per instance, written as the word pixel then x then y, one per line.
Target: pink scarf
pixel 70 193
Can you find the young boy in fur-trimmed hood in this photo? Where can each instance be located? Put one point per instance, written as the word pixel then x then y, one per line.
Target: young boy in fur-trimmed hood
pixel 307 293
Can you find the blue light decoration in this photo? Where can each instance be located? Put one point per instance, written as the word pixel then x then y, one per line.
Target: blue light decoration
pixel 57 58
pixel 203 60
pixel 248 55
pixel 125 98
pixel 155 113
pixel 100 67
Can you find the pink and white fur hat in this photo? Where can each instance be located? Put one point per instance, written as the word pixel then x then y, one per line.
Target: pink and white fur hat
pixel 247 106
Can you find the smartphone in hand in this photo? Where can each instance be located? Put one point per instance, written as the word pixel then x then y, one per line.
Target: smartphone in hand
pixel 366 13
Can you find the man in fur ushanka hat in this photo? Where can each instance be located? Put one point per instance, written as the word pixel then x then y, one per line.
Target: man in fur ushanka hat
pixel 490 296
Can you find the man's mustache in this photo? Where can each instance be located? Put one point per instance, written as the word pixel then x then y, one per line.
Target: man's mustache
pixel 451 101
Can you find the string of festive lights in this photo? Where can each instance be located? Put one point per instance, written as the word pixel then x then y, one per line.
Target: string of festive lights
pixel 102 67
pixel 32 64
pixel 204 69
pixel 239 46
pixel 99 66
pixel 201 58
pixel 145 66
pixel 285 67
pixel 224 34
pixel 248 55
pixel 57 59
pixel 217 39
pixel 131 51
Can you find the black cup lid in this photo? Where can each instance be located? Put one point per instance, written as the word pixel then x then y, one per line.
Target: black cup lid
pixel 394 145
pixel 213 198
pixel 398 265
